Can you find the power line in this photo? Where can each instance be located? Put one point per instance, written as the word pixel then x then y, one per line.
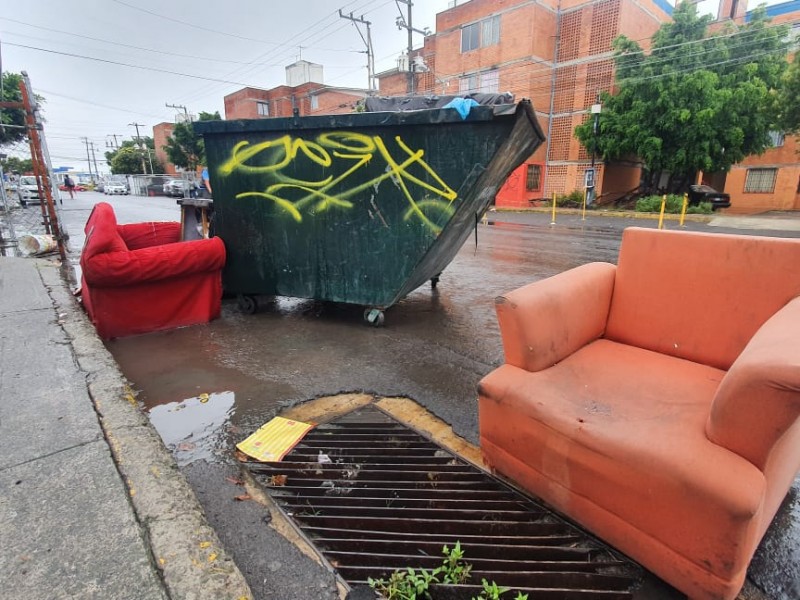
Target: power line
pixel 193 25
pixel 122 64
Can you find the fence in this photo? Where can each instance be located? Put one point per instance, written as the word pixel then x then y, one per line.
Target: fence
pixel 153 185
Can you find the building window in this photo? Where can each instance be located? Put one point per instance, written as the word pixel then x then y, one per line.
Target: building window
pixel 760 181
pixel 490 31
pixel 315 102
pixel 480 34
pixel 490 82
pixel 487 82
pixel 470 37
pixel 263 109
pixel 533 180
pixel 776 138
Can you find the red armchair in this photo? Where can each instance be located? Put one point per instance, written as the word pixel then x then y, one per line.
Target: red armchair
pixel 140 277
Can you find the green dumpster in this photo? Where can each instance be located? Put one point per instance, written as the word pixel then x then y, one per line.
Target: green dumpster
pixel 361 208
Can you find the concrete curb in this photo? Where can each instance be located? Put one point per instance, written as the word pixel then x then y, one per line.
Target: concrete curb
pixel 620 214
pixel 186 552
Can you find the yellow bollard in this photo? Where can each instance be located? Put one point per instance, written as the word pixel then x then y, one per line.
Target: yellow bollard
pixel 684 207
pixel 663 208
pixel 585 190
pixel 553 218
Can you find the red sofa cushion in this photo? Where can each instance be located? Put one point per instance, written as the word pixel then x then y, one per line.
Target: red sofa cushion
pixel 101 233
pixel 144 235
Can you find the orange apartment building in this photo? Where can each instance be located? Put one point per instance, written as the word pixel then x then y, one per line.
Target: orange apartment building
pixel 161 133
pixel 770 181
pixel 304 91
pixel 558 54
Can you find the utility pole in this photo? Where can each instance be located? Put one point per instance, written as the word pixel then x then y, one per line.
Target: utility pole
pixel 139 144
pixel 176 107
pixel 405 22
pixel 88 158
pixel 94 159
pixel 113 145
pixel 368 43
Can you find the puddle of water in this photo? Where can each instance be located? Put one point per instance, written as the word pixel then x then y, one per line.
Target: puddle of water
pixel 194 429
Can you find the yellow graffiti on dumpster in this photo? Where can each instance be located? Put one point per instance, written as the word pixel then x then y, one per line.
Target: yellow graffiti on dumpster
pixel 334 159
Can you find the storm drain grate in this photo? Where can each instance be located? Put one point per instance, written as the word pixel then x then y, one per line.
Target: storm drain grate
pixel 391 499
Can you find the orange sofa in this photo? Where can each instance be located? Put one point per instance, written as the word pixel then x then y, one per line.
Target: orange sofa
pixel 140 277
pixel 657 402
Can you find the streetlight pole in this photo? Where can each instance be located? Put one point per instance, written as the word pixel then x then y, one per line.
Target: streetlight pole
pixel 596 109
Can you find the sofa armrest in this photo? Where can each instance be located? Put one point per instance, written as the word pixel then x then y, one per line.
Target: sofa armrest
pixel 118 269
pixel 152 233
pixel 546 321
pixel 758 400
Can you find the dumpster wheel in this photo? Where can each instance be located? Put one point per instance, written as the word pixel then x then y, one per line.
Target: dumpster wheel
pixel 247 304
pixel 374 317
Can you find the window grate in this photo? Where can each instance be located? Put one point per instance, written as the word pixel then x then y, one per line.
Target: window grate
pixel 760 181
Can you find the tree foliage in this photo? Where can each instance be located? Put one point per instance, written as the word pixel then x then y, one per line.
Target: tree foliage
pixel 14 164
pixel 185 147
pixel 789 99
pixel 127 159
pixel 696 101
pixel 12 116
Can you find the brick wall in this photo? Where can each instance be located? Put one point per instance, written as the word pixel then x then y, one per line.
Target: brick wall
pixel 161 133
pixel 786 193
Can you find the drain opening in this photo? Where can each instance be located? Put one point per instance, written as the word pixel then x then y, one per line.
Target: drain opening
pixel 391 499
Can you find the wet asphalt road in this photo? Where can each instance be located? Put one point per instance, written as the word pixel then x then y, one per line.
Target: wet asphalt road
pixel 434 348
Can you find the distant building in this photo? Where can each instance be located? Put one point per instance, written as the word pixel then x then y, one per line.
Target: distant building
pixel 161 133
pixel 304 91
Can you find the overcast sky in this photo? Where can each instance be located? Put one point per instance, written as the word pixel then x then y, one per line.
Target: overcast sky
pixel 188 52
pixel 103 64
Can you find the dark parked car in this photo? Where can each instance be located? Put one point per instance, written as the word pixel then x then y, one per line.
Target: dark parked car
pixel 704 193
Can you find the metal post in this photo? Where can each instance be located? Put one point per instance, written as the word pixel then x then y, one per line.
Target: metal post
pixel 596 108
pixel 48 190
pixel 139 144
pixel 88 158
pixel 367 42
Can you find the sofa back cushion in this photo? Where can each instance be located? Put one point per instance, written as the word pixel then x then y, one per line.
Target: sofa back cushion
pixel 147 235
pixel 101 233
pixel 699 296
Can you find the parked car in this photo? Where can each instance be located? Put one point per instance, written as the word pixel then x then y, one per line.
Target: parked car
pixel 705 193
pixel 79 187
pixel 175 187
pixel 28 191
pixel 116 188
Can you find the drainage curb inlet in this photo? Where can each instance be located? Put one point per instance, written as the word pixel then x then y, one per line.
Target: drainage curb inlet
pixel 374 496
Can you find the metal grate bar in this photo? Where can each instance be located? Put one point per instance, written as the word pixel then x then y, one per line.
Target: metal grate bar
pixel 391 499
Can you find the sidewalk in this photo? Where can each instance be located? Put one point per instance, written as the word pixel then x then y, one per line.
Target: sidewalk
pixel 91 503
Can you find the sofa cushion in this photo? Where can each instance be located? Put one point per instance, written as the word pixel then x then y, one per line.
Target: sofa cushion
pixel 624 428
pixel 699 296
pixel 145 235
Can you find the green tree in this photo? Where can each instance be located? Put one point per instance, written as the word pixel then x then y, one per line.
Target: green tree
pixel 12 116
pixel 127 161
pixel 14 164
pixel 695 102
pixel 788 100
pixel 185 147
pixel 124 164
